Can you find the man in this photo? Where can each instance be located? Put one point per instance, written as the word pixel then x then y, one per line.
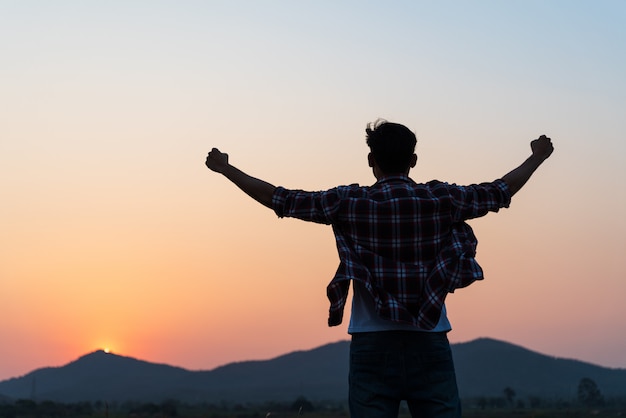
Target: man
pixel 404 246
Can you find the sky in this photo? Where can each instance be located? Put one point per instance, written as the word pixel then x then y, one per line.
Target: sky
pixel 114 235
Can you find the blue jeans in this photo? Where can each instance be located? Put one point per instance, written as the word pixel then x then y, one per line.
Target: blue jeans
pixel 390 366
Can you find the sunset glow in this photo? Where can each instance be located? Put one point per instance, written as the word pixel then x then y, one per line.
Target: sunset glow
pixel 114 234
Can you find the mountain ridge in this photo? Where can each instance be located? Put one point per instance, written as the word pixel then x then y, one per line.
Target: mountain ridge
pixel 485 366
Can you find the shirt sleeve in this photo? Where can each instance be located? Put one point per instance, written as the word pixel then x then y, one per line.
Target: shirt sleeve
pixel 478 199
pixel 319 207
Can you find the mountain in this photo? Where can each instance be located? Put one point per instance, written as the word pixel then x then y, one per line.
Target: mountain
pixel 96 376
pixel 484 368
pixel 322 372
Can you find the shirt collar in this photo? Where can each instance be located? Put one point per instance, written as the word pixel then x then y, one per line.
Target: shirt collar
pixel 395 177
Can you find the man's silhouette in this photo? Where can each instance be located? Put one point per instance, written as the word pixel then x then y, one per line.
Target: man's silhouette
pixel 404 246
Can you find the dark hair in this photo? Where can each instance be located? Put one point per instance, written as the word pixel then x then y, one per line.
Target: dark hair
pixel 392 145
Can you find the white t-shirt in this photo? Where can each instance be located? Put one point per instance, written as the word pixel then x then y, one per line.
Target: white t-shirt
pixel 365 319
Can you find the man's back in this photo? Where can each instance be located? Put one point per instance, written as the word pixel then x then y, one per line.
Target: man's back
pixel 408 222
pixel 402 240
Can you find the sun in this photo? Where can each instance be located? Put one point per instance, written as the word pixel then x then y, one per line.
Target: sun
pixel 107 350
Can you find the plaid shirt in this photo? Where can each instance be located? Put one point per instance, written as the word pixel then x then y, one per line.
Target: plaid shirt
pixel 406 242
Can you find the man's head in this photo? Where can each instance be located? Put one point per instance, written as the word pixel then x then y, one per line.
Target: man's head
pixel 392 147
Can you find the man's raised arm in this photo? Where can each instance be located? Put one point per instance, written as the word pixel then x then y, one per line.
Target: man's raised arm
pixel 259 190
pixel 541 150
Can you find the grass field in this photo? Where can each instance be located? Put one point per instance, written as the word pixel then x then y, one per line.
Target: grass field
pixel 490 413
pixel 47 409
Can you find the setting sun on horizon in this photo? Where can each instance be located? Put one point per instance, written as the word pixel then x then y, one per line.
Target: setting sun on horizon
pixel 113 233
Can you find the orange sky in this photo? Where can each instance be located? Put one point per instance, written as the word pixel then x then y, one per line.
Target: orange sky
pixel 114 234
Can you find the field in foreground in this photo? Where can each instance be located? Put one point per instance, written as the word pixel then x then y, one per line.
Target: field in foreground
pixel 301 408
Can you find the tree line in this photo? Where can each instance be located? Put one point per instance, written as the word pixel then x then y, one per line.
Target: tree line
pixel 588 396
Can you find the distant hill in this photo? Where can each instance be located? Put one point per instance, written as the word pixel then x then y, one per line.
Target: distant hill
pixel 484 368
